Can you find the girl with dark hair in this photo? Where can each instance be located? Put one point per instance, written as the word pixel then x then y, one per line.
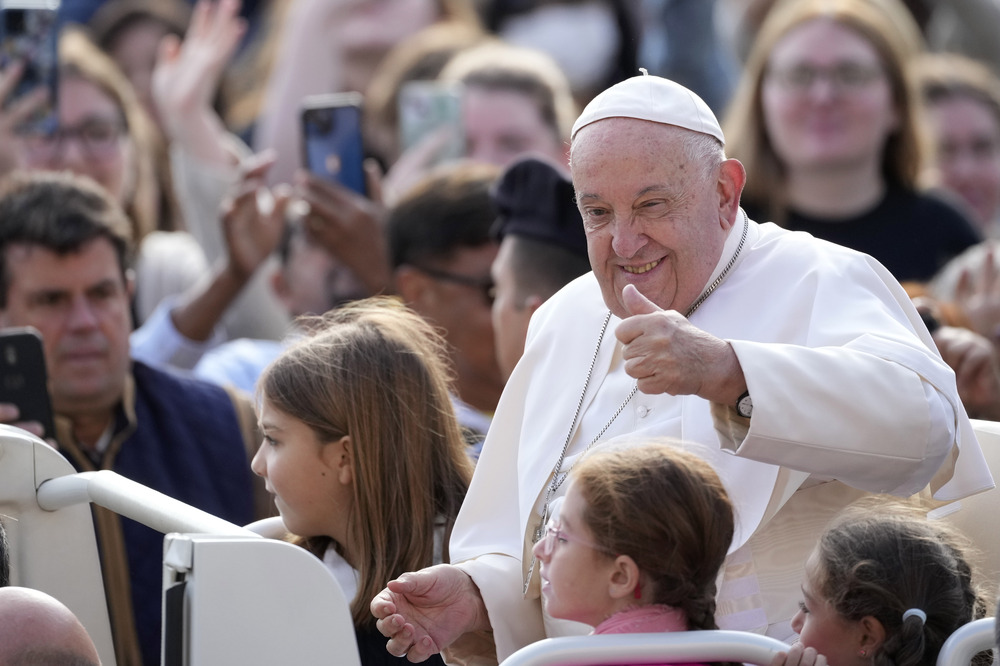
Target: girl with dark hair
pixel 884 586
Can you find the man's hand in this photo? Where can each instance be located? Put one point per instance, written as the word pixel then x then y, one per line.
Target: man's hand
pixel 978 294
pixel 799 656
pixel 423 612
pixel 253 218
pixel 977 373
pixel 667 354
pixel 10 414
pixel 349 227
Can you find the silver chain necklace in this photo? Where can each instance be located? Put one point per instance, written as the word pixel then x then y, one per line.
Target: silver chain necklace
pixel 558 475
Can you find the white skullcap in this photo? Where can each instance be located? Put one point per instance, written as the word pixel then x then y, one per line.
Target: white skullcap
pixel 653 98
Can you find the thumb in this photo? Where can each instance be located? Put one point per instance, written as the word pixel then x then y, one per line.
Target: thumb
pixel 636 303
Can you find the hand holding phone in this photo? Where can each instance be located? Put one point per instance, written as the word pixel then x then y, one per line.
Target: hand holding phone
pixel 24 380
pixel 29 35
pixel 430 108
pixel 332 146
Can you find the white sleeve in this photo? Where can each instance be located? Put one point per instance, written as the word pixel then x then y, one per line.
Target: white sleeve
pixel 158 342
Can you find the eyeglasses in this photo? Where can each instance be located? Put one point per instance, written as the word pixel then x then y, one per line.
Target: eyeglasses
pixel 845 77
pixel 483 284
pixel 99 139
pixel 553 535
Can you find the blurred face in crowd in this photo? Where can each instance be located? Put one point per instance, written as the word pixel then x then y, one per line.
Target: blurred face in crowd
pixel 79 302
pixel 458 299
pixel 968 153
pixel 501 125
pixel 92 139
pixel 827 102
pixel 652 215
pixel 364 31
pixel 134 50
pixel 511 309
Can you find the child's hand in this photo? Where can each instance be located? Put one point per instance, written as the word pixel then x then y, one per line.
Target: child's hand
pixel 799 656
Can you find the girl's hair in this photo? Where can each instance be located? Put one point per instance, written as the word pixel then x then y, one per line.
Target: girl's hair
pixel 150 203
pixel 666 509
pixel 885 24
pixel 377 372
pixel 882 560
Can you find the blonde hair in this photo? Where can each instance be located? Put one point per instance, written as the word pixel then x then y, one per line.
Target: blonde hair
pixel 376 371
pixel 892 32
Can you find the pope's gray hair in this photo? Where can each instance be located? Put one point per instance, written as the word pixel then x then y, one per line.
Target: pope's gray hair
pixel 706 151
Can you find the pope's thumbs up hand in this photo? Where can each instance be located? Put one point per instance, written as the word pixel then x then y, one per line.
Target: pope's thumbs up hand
pixel 636 303
pixel 666 353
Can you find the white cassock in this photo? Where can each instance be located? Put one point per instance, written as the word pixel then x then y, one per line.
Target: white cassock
pixel 848 396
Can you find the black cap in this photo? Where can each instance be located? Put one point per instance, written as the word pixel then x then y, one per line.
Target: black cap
pixel 534 199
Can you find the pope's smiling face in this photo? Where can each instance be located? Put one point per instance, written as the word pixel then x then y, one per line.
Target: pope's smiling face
pixel 654 215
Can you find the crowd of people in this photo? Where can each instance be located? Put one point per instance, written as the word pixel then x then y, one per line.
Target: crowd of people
pixel 587 377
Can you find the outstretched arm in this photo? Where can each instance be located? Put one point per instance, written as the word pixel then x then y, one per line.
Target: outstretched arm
pixel 423 612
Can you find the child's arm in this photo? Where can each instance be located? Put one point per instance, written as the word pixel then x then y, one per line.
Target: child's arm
pixel 799 656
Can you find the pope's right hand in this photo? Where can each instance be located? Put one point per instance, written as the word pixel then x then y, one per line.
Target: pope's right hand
pixel 425 611
pixel 799 656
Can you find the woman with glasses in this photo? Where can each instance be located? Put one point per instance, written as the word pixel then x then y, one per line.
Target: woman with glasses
pixel 638 541
pixel 827 126
pixel 103 132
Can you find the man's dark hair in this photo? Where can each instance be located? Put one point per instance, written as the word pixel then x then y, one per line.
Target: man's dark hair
pixel 543 268
pixel 449 210
pixel 60 212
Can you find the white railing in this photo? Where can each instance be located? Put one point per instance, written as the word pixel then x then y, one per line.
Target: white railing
pixel 677 647
pixel 967 641
pixel 132 500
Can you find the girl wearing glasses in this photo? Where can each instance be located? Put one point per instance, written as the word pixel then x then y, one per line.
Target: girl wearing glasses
pixel 362 450
pixel 827 125
pixel 638 542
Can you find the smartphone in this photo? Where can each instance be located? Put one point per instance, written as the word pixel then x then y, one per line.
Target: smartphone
pixel 29 32
pixel 23 379
pixel 331 139
pixel 426 107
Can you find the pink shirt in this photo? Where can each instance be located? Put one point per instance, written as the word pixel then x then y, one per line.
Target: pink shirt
pixel 646 620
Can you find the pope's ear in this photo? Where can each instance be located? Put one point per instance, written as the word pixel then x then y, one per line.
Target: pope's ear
pixel 732 177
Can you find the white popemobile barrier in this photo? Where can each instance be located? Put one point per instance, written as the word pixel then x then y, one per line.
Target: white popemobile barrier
pixel 230 596
pixel 678 647
pixel 977 636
